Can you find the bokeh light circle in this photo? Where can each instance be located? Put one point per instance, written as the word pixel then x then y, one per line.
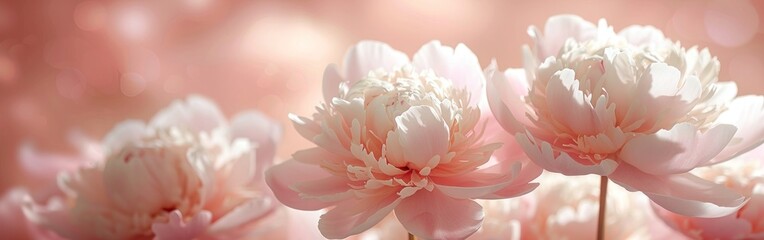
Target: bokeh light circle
pixel 90 15
pixel 731 23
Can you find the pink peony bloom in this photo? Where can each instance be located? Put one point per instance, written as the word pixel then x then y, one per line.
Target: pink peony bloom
pixel 187 174
pixel 632 106
pixel 403 136
pixel 743 175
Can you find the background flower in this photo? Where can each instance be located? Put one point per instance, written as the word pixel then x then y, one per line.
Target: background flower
pixel 746 176
pixel 633 106
pixel 186 174
pixel 394 136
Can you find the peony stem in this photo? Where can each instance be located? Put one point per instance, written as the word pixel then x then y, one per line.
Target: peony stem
pixel 412 237
pixel 603 206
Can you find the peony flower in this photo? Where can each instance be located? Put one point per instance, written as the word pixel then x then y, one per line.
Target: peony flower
pixel 632 106
pixel 399 136
pixel 745 176
pixel 565 208
pixel 186 174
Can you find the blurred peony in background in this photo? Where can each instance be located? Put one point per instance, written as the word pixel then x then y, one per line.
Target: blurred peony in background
pixel 72 67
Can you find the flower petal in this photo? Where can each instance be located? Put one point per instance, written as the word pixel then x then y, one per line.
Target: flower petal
pixel 434 215
pixel 543 155
pixel 568 104
pixel 196 113
pixel 242 215
pixel 44 165
pixel 746 113
pixel 505 97
pixel 678 150
pixel 684 194
pixel 282 177
pixel 458 64
pixel 367 56
pixel 639 35
pixel 123 133
pixel 176 228
pixel 53 216
pixel 354 216
pixel 262 131
pixel 557 30
pixel 422 134
pixel 331 82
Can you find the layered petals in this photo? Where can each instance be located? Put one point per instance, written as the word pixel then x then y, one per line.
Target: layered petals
pixel 397 139
pixel 187 174
pixel 458 64
pixel 434 215
pixel 557 30
pixel 743 175
pixel 177 228
pixel 633 106
pixel 685 193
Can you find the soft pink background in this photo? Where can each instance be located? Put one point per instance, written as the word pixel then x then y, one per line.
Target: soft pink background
pixel 85 65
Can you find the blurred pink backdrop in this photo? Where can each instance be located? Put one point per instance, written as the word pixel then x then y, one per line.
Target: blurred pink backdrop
pixel 68 65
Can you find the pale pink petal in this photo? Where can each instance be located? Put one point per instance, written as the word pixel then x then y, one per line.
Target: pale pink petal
pixel 724 93
pixel 434 215
pixel 367 56
pixel 557 30
pixel 246 213
pixel 178 228
pixel 301 224
pixel 354 216
pixel 12 220
pixel 503 180
pixel 639 35
pixel 459 65
pixel 684 194
pixel 543 155
pixel 53 216
pixel 125 132
pixel 677 150
pixel 746 113
pixel 568 104
pixel 44 165
pixel 505 98
pixel 263 132
pixel 331 82
pixel 305 127
pixel 282 177
pixel 422 134
pixel 196 113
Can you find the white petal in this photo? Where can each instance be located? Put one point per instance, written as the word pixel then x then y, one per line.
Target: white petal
pixel 459 65
pixel 685 193
pixel 367 56
pixel 422 134
pixel 639 35
pixel 746 113
pixel 678 150
pixel 196 113
pixel 331 82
